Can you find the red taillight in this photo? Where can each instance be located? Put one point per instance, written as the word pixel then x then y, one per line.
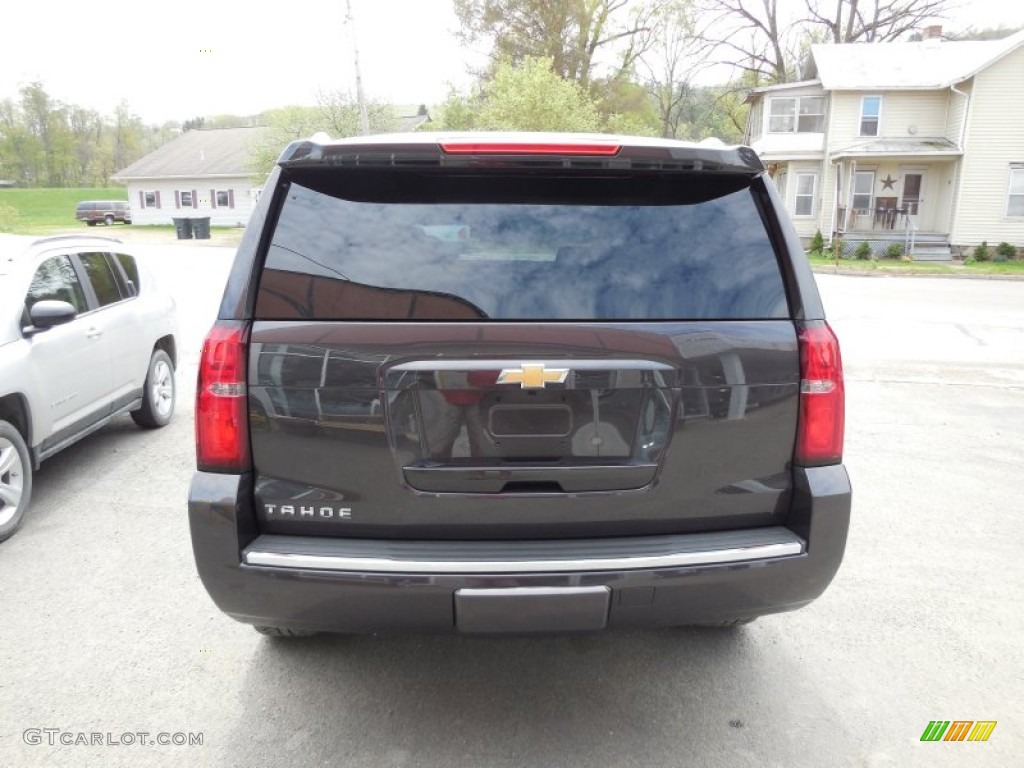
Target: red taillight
pixel 222 421
pixel 528 148
pixel 819 437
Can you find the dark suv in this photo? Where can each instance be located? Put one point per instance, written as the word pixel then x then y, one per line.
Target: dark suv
pixel 93 212
pixel 526 383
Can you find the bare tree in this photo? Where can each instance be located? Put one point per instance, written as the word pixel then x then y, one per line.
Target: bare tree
pixel 872 21
pixel 757 36
pixel 675 57
pixel 770 37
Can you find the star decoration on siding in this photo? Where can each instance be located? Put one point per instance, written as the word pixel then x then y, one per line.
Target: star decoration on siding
pixel 888 182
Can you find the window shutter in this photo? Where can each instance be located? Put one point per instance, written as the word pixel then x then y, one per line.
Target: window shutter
pixel 231 198
pixel 177 199
pixel 213 198
pixel 195 199
pixel 156 195
pixel 142 199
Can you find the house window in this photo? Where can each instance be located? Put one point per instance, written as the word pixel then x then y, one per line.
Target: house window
pixel 804 114
pixel 186 199
pixel 811 115
pixel 781 115
pixel 805 186
pixel 863 190
pixel 1015 198
pixel 151 199
pixel 222 198
pixel 870 111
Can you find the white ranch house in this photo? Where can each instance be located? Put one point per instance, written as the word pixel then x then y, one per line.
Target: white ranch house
pixel 893 140
pixel 202 173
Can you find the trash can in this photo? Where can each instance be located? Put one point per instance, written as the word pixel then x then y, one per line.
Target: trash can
pixel 184 228
pixel 201 228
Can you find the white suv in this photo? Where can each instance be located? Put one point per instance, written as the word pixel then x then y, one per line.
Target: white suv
pixel 84 337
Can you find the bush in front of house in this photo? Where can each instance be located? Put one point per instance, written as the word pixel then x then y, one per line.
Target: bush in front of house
pixel 8 217
pixel 894 251
pixel 1005 252
pixel 817 244
pixel 863 251
pixel 981 252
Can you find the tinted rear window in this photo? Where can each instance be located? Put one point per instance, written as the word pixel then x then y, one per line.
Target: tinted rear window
pixel 103 282
pixel 530 248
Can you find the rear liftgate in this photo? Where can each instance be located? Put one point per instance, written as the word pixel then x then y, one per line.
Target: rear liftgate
pixel 529 427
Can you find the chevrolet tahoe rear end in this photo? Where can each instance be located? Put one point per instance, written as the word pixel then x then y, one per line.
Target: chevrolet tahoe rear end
pixel 527 383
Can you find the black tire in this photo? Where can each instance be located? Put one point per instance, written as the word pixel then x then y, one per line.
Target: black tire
pixel 90 223
pixel 108 220
pixel 158 393
pixel 15 480
pixel 283 632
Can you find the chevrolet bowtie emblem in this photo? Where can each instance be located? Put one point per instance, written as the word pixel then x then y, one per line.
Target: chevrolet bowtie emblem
pixel 533 376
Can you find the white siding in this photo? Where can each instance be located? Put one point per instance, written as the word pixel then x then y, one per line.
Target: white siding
pixel 994 139
pixel 924 112
pixel 806 226
pixel 957 112
pixel 242 191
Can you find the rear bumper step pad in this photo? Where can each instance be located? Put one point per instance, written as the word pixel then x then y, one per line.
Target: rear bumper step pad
pixel 521 557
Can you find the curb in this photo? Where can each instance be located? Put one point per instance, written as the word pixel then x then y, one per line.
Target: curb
pixel 941 275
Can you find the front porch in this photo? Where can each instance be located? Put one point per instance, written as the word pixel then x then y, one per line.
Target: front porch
pixel 888 193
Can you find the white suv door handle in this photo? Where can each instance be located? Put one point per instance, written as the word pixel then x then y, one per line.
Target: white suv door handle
pixel 94 333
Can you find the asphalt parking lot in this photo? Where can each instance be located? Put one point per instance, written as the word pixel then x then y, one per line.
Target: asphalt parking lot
pixel 105 628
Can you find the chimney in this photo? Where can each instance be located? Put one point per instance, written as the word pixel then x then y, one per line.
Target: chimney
pixel 934 32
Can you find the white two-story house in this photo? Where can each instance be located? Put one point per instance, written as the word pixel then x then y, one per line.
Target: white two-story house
pixel 889 139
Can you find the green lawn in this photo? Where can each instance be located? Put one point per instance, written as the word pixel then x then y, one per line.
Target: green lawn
pixel 892 266
pixel 43 211
pixel 52 212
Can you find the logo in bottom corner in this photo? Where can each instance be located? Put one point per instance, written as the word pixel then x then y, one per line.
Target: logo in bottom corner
pixel 307 512
pixel 958 730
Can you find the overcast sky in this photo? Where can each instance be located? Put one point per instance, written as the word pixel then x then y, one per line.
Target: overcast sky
pixel 201 57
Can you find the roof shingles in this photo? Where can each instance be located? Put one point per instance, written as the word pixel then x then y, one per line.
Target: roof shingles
pixel 198 153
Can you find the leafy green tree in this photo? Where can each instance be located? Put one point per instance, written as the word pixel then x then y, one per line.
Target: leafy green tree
pixel 625 107
pixel 458 112
pixel 44 142
pixel 532 97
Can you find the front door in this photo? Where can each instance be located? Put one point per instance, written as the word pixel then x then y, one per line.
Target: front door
pixel 913 191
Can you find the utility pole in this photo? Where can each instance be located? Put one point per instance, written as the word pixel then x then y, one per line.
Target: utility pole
pixel 364 118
